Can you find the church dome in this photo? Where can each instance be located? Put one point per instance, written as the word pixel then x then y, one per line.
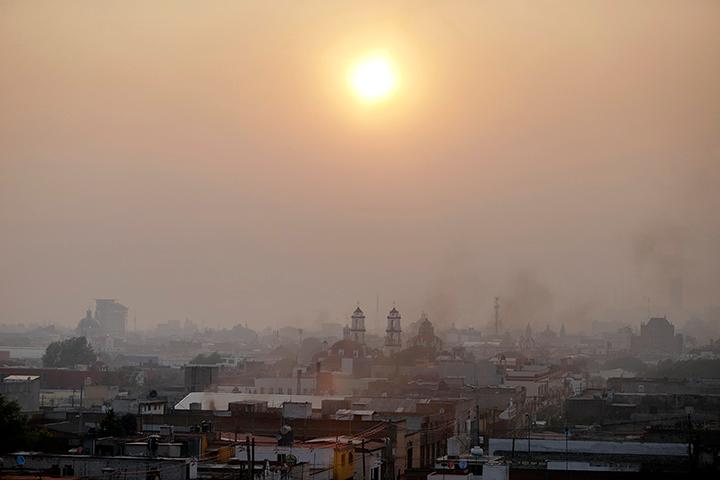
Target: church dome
pixel 347 348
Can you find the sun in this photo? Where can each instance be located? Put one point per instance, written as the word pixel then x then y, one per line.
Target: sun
pixel 373 78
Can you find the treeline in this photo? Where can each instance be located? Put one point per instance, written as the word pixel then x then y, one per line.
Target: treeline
pixel 699 368
pixel 68 353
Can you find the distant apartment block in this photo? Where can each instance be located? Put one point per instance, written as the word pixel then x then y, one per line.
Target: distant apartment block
pixel 111 315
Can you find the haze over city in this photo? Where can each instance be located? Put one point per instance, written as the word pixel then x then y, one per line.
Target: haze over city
pixel 344 240
pixel 208 160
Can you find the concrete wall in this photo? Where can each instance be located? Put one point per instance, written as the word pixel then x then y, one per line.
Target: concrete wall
pixel 297 410
pixel 284 385
pixel 99 395
pixel 477 373
pixel 26 394
pixel 199 377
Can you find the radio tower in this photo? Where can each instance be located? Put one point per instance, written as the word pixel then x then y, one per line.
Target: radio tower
pixel 497 316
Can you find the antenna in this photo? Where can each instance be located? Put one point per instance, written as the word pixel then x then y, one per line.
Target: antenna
pixel 297 357
pixel 497 316
pixel 378 327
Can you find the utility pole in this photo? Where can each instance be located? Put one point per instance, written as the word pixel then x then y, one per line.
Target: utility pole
pixel 691 456
pixel 363 459
pixel 247 450
pixel 497 316
pixel 378 326
pixel 252 462
pixel 80 414
pixel 567 432
pixel 528 433
pixel 389 460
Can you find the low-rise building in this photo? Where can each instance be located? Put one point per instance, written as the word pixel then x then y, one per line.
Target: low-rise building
pixel 96 466
pixel 153 406
pixel 23 389
pixel 534 378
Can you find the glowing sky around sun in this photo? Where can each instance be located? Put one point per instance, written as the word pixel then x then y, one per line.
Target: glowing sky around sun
pixel 373 78
pixel 276 162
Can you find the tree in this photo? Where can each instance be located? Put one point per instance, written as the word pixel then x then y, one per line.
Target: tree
pixel 70 352
pixel 209 359
pixel 129 424
pixel 111 425
pixel 699 368
pixel 13 426
pixel 631 364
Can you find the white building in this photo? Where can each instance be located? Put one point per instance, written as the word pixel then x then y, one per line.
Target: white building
pixel 357 326
pixel 534 378
pixel 393 333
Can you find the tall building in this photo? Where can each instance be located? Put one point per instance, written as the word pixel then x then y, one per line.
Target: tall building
pixel 657 336
pixel 357 326
pixel 393 332
pixel 111 315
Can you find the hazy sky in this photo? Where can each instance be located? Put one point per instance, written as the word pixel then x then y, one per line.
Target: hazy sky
pixel 205 159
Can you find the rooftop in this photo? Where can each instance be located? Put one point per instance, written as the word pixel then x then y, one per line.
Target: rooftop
pixel 221 400
pixel 20 378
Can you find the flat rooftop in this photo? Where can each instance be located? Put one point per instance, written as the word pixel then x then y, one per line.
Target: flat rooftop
pixel 221 400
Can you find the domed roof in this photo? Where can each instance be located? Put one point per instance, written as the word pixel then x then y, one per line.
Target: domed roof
pixel 426 335
pixel 358 311
pixel 426 327
pixel 348 347
pixel 394 312
pixel 88 323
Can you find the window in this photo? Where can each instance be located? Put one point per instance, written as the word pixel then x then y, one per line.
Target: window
pixel 409 457
pixel 350 457
pixel 280 390
pixel 262 390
